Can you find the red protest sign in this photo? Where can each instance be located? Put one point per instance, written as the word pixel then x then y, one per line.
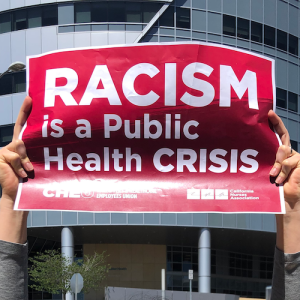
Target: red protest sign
pixel 151 127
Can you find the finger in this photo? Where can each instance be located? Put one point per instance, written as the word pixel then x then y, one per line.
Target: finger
pixel 22 117
pixel 279 168
pixel 13 159
pixel 279 128
pixel 288 164
pixel 18 147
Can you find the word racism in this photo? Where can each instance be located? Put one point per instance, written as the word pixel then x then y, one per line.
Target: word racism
pixel 185 121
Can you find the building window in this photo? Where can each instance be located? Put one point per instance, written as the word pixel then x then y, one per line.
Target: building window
pixel 256 32
pixel 281 98
pixel 243 28
pixel 294 145
pixel 116 12
pixel 293 44
pixel 292 101
pixel 266 267
pixel 6 134
pixel 35 17
pixel 20 19
pixel 133 12
pixel 167 19
pixel 5 22
pixel 82 12
pixel 229 26
pixel 269 36
pixel 98 13
pixel 49 15
pixel 183 19
pixel 13 83
pixel 281 40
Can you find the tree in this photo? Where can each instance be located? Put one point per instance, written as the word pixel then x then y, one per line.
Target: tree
pixel 51 272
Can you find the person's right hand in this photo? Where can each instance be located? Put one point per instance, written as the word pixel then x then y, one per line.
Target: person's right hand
pixel 14 164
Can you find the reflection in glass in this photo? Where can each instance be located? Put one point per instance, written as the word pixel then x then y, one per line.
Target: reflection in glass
pixel 167 19
pixel 82 12
pixel 256 32
pixel 50 15
pixel 281 98
pixel 35 17
pixel 20 19
pixel 243 28
pixel 269 36
pixel 229 26
pixel 281 40
pixel 5 22
pixel 293 44
pixel 183 19
pixel 293 102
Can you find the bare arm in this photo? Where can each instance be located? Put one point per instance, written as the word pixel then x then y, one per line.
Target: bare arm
pixel 13 164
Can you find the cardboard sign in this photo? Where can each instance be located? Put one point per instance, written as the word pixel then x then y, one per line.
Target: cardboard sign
pixel 151 128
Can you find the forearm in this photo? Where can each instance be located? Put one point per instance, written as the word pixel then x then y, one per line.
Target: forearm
pixel 13 224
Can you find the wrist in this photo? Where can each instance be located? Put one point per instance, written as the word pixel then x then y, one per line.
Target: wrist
pixel 13 224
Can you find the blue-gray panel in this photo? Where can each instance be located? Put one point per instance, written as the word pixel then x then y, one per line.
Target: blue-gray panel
pixel 102 218
pixel 229 41
pixel 199 35
pixel 256 47
pixel 281 73
pixel 166 31
pixel 6 110
pixel 16 3
pixel 214 23
pixel 49 39
pixel 116 27
pixel 257 10
pixel 182 39
pixel 32 2
pixel 29 220
pixel 38 218
pixel 200 219
pixel 4 4
pixel 281 54
pixel 65 41
pixel 118 218
pixel 101 27
pixel 135 219
pixel 66 29
pixel 243 9
pixel 229 220
pixel 229 7
pixel 99 38
pixel 69 218
pixel 134 27
pixel 184 219
pixel 269 223
pixel 54 218
pixel 293 80
pixel 215 220
pixel 199 20
pixel 17 100
pixel 186 3
pixel 82 39
pixel 214 5
pixel 293 59
pixel 293 130
pixel 85 218
pixel 5 51
pixel 66 13
pixel 183 33
pixel 151 219
pixel 166 39
pixel 18 52
pixel 80 28
pixel 33 41
pixel 243 44
pixel 243 221
pixel 294 14
pixel 199 4
pixel 269 50
pixel 214 38
pixel 256 221
pixel 168 219
pixel 153 38
pixel 282 15
pixel 270 12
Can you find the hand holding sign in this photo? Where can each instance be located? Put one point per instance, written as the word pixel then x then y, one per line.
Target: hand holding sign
pixel 13 164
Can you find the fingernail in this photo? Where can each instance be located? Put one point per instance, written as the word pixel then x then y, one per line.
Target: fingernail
pixel 23 173
pixel 28 166
pixel 273 171
pixel 279 180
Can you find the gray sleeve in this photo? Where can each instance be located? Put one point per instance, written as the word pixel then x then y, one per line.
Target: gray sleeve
pixel 286 276
pixel 13 271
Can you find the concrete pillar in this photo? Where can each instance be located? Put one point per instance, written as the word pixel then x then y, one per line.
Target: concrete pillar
pixel 67 249
pixel 204 264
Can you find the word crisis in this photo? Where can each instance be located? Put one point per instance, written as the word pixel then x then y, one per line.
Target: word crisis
pixel 185 159
pixel 101 74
